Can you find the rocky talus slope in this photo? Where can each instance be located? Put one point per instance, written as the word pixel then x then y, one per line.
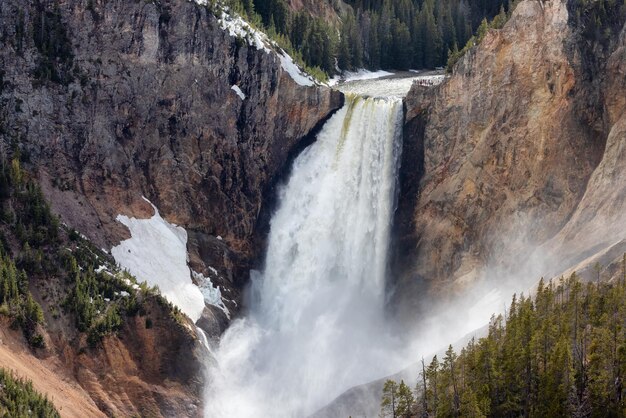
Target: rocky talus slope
pixel 522 147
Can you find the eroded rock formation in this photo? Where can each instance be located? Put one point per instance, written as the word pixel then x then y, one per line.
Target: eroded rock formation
pixel 521 146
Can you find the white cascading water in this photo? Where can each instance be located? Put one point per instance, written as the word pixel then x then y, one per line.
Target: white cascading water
pixel 315 325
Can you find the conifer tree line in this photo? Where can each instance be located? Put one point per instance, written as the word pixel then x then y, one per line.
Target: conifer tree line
pixel 559 354
pixel 23 208
pixel 377 34
pixel 17 302
pixel 403 34
pixel 18 398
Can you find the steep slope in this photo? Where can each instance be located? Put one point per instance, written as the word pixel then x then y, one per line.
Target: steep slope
pixel 601 210
pixel 330 11
pixel 66 310
pixel 518 148
pixel 117 100
pixel 17 395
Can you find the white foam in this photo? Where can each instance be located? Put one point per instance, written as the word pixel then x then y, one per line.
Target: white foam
pixel 316 322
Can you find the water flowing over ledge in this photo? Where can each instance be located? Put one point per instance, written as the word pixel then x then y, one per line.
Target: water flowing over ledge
pixel 315 325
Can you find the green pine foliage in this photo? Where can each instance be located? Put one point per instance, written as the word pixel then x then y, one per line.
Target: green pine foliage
pixel 17 303
pixel 310 41
pixel 559 354
pixel 34 225
pixel 44 263
pixel 497 23
pixel 18 399
pixel 98 300
pixel 376 34
pixel 403 34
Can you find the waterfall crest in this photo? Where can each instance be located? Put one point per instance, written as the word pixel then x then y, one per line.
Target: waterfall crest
pixel 315 325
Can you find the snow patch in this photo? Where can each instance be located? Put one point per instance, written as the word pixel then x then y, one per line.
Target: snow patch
pixel 212 294
pixel 237 90
pixel 239 28
pixel 156 253
pixel 294 71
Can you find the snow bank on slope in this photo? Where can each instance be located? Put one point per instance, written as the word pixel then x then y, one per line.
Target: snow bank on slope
pixel 237 27
pixel 294 71
pixel 237 90
pixel 361 74
pixel 156 253
pixel 212 294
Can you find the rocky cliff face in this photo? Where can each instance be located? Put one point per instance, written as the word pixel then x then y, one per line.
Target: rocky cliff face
pixel 109 101
pixel 519 147
pixel 138 372
pixel 117 100
pixel 142 371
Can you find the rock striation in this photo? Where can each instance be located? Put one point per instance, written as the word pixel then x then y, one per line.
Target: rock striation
pixel 522 147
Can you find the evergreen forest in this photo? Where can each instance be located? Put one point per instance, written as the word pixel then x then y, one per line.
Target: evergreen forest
pixel 561 353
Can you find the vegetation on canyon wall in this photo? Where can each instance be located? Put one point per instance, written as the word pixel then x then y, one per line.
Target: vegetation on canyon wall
pixel 19 399
pixel 389 34
pixel 560 353
pixel 69 274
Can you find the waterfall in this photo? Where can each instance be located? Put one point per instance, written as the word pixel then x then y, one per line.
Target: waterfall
pixel 315 325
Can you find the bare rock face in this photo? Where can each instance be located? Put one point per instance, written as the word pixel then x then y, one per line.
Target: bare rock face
pixel 599 221
pixel 521 146
pixel 115 100
pixel 146 370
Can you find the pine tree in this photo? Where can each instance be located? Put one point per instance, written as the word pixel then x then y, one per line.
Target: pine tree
pixel 451 377
pixel 482 30
pixel 432 36
pixel 389 402
pixel 405 401
pixel 400 51
pixel 374 47
pixel 561 354
pixel 432 393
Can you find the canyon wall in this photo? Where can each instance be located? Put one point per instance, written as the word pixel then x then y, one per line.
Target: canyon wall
pixel 522 146
pixel 111 101
pixel 115 100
